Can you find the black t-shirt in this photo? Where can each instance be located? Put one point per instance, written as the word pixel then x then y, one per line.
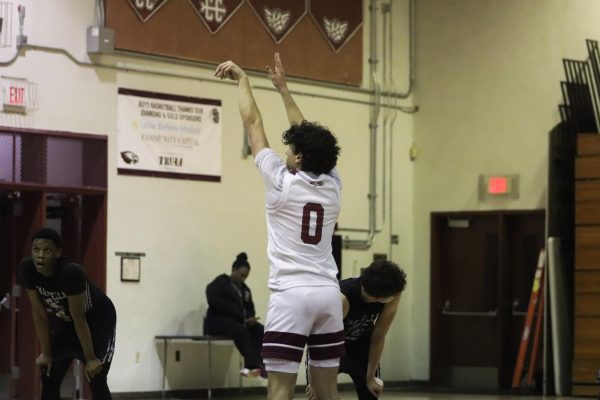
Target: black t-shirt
pixel 69 279
pixel 359 323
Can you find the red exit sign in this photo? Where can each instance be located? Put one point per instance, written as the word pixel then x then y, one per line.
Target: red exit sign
pixel 498 186
pixel 16 96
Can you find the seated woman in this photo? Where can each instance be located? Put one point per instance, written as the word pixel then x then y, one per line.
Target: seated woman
pixel 231 312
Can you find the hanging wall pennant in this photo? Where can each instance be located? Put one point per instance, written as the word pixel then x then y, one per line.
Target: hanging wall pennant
pixel 337 24
pixel 146 8
pixel 279 17
pixel 215 13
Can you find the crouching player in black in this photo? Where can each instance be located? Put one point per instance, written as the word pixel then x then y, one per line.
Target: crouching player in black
pixel 370 302
pixel 86 317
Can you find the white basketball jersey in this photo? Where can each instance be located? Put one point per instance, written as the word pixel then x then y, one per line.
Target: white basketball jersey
pixel 302 210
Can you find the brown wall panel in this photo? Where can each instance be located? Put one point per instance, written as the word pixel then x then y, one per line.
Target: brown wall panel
pixel 588 282
pixel 587 213
pixel 587 236
pixel 175 30
pixel 584 371
pixel 587 167
pixel 259 51
pixel 589 391
pixel 586 339
pixel 587 258
pixel 343 65
pixel 195 42
pixel 588 305
pixel 129 30
pixel 587 191
pixel 588 143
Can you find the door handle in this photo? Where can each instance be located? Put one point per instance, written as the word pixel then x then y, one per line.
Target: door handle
pixel 515 305
pixel 5 302
pixel 515 311
pixel 446 311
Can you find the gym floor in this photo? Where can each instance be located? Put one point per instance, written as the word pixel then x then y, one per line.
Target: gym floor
pixel 402 395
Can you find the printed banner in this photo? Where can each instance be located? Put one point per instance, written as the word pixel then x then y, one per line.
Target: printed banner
pixel 168 135
pixel 278 17
pixel 215 13
pixel 146 8
pixel 337 24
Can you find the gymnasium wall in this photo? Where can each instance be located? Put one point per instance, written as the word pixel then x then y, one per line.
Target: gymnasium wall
pixel 488 75
pixel 190 231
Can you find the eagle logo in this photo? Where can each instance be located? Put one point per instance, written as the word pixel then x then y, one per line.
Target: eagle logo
pixel 277 20
pixel 130 157
pixel 336 29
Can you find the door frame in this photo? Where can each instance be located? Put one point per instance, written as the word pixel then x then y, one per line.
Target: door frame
pixel 93 244
pixel 503 290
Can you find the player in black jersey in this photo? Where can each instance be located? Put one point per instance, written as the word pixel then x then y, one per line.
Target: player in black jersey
pixel 86 318
pixel 370 302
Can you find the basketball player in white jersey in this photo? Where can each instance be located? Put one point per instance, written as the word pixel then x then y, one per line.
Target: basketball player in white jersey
pixel 303 203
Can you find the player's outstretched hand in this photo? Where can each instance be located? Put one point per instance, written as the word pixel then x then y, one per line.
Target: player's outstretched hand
pixel 375 386
pixel 229 70
pixel 44 363
pixel 277 75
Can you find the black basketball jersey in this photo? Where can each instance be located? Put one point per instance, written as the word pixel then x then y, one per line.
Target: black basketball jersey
pixel 361 317
pixel 69 279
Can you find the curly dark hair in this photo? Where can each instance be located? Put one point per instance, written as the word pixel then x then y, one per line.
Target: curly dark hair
pixel 317 145
pixel 49 234
pixel 383 279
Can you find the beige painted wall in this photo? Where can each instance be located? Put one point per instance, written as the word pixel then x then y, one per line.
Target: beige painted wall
pixel 488 88
pixel 191 231
pixel 488 74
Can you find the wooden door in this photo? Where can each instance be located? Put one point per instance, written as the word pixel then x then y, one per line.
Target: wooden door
pixel 523 238
pixel 464 306
pixel 81 220
pixel 480 263
pixel 28 216
pixel 7 309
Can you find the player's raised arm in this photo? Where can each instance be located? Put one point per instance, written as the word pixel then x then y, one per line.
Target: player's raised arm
pixel 249 111
pixel 277 76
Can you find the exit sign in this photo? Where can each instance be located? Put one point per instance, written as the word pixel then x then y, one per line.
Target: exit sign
pixel 17 95
pixel 498 186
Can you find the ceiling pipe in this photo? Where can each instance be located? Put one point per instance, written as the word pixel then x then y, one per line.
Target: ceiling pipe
pixel 365 244
pixel 375 99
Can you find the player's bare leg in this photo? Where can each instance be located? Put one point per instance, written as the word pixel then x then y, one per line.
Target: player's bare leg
pixel 323 382
pixel 281 385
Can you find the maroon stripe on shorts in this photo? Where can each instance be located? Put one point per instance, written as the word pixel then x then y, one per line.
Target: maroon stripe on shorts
pixel 326 352
pixel 283 353
pixel 283 345
pixel 290 339
pixel 326 338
